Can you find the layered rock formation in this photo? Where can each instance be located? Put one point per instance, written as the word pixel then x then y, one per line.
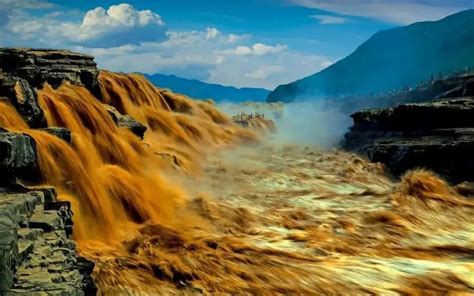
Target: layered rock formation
pixel 37 255
pixel 438 135
pixel 48 65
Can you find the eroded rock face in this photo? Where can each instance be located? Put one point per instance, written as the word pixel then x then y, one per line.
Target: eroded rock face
pixel 437 135
pixel 21 95
pixel 53 66
pixel 18 157
pixel 37 256
pixel 36 253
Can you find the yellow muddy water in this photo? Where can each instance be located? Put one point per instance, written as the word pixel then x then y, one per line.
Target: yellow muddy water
pixel 188 210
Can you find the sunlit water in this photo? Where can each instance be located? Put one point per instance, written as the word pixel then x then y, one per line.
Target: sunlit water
pixel 227 213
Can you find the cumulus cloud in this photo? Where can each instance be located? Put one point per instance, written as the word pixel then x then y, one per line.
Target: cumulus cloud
pixel 120 34
pixel 328 19
pixel 190 54
pixel 258 49
pixel 118 25
pixel 212 33
pixel 398 12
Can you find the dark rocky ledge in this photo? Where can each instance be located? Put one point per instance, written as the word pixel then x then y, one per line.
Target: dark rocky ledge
pixel 37 257
pixel 18 157
pixel 48 65
pixel 126 121
pixel 437 135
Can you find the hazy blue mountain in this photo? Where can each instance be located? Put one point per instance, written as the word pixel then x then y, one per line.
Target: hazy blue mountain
pixel 391 59
pixel 200 90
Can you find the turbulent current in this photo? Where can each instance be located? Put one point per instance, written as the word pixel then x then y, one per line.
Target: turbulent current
pixel 204 206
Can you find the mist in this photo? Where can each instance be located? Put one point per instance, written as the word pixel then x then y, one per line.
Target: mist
pixel 315 123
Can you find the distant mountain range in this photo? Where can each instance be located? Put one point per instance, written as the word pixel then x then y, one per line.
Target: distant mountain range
pixel 392 59
pixel 200 90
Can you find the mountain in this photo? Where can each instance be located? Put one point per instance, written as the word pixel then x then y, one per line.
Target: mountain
pixel 201 90
pixel 392 59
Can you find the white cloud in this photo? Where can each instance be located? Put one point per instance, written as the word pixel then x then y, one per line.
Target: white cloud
pixel 125 39
pixel 328 19
pixel 190 54
pixel 399 12
pixel 258 49
pixel 24 4
pixel 264 72
pixel 118 25
pixel 233 38
pixel 212 33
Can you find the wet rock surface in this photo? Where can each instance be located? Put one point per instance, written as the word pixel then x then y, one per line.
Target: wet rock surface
pixel 18 157
pixel 60 132
pixel 37 255
pixel 22 95
pixel 438 135
pixel 126 121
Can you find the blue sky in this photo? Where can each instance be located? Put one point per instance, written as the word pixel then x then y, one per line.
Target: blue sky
pixel 259 43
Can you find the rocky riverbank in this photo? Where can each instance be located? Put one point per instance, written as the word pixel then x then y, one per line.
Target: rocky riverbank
pixel 437 135
pixel 37 254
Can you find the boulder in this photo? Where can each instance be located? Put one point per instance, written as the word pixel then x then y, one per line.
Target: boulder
pixel 86 267
pixel 18 157
pixel 126 121
pixel 437 135
pixel 21 95
pixel 60 132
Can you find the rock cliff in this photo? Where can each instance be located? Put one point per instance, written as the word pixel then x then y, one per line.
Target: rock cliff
pixel 437 135
pixel 48 65
pixel 36 252
pixel 37 255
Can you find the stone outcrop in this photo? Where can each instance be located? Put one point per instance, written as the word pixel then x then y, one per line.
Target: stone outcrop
pixel 23 70
pixel 38 66
pixel 126 121
pixel 37 256
pixel 437 135
pixel 21 95
pixel 60 132
pixel 36 253
pixel 17 157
